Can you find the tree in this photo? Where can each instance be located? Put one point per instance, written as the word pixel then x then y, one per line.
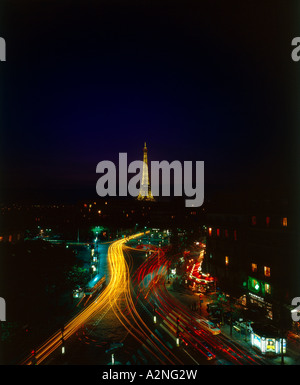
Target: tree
pixel 78 276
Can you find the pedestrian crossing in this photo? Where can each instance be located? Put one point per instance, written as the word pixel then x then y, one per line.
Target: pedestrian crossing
pixel 163 336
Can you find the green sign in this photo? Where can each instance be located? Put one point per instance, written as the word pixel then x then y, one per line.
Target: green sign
pixel 97 229
pixel 256 286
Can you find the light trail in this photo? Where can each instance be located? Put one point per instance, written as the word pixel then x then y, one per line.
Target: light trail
pixel 106 298
pixel 116 296
pixel 134 323
pixel 193 333
pixel 149 279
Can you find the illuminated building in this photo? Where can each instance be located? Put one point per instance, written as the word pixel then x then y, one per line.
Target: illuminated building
pixel 267 340
pixel 250 250
pixel 199 281
pixel 145 189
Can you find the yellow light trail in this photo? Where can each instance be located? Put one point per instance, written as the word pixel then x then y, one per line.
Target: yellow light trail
pixel 134 324
pixel 104 299
pixel 119 285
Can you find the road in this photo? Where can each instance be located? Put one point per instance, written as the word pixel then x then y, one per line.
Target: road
pixel 173 319
pixel 107 298
pixel 136 313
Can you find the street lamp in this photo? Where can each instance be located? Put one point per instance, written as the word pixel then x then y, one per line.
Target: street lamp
pixel 177 332
pixel 62 340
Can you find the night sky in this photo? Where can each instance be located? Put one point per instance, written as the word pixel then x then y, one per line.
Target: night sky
pixel 196 80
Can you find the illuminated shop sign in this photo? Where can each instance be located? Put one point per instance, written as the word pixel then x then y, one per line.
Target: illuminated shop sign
pixel 268 345
pixel 254 285
pixel 260 301
pixel 257 286
pixel 256 340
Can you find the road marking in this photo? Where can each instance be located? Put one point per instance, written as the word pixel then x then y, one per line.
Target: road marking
pixel 191 357
pixel 167 331
pixel 181 316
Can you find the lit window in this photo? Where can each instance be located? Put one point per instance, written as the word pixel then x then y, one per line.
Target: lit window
pixel 267 271
pixel 267 288
pixel 226 261
pixel 284 222
pixel 254 267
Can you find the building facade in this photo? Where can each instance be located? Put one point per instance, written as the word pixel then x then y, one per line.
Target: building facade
pixel 251 250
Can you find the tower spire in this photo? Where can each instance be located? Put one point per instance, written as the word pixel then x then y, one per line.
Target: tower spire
pixel 145 189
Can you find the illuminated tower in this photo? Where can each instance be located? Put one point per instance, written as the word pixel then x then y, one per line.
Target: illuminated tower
pixel 145 190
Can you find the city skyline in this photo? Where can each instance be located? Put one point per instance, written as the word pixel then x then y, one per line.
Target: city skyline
pixel 111 254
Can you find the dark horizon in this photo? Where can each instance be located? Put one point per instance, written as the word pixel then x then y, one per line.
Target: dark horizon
pixel 194 81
